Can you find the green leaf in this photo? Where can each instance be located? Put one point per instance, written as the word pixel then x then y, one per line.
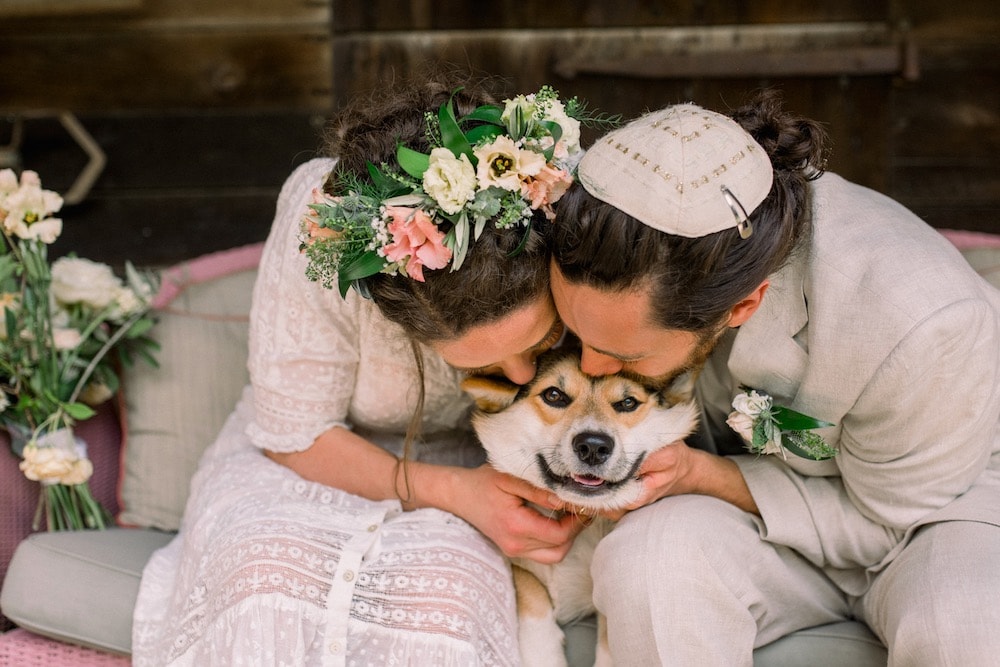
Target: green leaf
pixel 78 411
pixel 555 129
pixel 365 265
pixel 413 163
pixel 451 134
pixel 139 327
pixel 523 242
pixel 488 113
pixel 483 134
pixel 790 420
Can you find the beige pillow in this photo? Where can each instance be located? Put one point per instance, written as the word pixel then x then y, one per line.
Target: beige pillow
pixel 172 413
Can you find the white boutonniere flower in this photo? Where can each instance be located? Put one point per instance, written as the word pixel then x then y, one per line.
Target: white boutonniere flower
pixel 773 429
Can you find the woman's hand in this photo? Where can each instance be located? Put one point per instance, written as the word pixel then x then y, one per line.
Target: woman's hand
pixel 498 505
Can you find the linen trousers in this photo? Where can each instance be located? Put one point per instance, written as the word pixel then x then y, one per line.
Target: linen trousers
pixel 689 581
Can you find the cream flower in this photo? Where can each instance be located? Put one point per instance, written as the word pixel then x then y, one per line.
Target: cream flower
pixel 95 393
pixel 450 181
pixel 55 458
pixel 78 280
pixel 569 142
pixel 4 401
pixel 66 338
pixel 27 208
pixel 504 164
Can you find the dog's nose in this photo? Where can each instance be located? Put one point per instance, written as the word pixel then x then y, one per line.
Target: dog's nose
pixel 593 448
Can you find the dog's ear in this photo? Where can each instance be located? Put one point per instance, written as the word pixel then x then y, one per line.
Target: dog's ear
pixel 491 394
pixel 681 389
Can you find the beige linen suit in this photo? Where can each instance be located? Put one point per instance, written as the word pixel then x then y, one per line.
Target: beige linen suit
pixel 882 329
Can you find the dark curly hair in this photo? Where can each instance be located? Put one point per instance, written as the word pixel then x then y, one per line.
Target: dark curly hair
pixel 697 281
pixel 495 278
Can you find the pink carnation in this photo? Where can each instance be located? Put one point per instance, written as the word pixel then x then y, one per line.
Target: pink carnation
pixel 546 187
pixel 416 241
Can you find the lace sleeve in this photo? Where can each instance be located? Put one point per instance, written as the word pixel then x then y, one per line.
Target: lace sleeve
pixel 303 337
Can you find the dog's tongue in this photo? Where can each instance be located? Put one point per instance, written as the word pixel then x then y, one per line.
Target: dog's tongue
pixel 588 480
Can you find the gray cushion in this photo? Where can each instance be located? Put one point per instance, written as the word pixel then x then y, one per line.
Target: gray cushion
pixel 94 576
pixel 846 644
pixel 79 587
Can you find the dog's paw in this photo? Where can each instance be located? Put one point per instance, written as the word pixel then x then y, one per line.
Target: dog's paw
pixel 541 641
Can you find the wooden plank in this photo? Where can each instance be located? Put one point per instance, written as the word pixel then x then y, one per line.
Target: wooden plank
pixel 19 8
pixel 394 15
pixel 855 108
pixel 253 69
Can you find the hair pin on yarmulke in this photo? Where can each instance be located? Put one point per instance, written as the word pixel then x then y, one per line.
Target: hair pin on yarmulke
pixel 743 224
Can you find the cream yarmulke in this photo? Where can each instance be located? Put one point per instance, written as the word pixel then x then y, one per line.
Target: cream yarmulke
pixel 683 170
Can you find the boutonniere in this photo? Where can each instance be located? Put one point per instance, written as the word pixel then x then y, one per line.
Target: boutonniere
pixel 772 429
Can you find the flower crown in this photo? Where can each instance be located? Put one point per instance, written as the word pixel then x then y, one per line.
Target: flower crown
pixel 498 164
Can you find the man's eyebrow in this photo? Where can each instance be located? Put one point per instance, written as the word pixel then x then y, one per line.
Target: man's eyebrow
pixel 613 355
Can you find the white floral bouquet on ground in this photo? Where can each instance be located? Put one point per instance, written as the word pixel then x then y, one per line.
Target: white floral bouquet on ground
pixel 66 329
pixel 773 429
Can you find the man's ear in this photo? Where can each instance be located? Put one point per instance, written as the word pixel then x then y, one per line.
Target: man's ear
pixel 742 311
pixel 491 394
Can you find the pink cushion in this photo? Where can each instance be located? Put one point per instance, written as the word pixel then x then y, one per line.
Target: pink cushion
pixel 204 268
pixel 964 240
pixel 24 649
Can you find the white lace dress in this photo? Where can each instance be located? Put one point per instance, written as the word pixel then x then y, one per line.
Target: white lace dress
pixel 269 569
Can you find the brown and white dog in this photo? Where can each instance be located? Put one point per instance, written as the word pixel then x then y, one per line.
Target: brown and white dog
pixel 584 438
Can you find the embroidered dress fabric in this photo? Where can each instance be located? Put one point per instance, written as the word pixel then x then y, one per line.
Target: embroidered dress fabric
pixel 270 569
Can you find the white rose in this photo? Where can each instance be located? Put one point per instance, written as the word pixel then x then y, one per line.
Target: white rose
pixel 752 403
pixel 504 165
pixel 79 473
pixel 450 181
pixel 570 139
pixel 46 464
pixel 77 280
pixel 742 424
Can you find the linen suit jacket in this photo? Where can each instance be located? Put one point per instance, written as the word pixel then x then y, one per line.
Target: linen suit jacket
pixel 883 329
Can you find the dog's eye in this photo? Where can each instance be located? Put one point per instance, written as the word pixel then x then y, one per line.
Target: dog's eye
pixel 555 397
pixel 627 404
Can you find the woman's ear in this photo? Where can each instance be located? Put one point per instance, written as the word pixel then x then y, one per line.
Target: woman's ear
pixel 742 311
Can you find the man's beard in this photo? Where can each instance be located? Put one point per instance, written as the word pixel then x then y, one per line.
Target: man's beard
pixel 699 355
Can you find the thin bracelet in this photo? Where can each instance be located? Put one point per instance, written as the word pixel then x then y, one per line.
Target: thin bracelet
pixel 401 463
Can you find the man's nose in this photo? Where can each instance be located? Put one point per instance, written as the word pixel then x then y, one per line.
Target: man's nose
pixel 595 363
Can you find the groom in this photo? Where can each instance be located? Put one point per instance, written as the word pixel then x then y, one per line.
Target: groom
pixel 692 235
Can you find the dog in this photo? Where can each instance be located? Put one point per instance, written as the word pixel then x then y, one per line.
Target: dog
pixel 584 438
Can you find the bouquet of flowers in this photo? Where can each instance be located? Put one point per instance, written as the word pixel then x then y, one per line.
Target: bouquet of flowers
pixel 497 164
pixel 66 327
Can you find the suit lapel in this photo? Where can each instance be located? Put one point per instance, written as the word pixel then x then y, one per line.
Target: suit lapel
pixel 766 353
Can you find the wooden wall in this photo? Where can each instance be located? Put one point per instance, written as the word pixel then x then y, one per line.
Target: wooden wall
pixel 204 106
